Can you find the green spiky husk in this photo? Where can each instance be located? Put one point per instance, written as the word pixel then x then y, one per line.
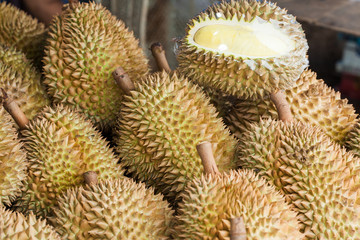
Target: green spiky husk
pixel 240 76
pixel 86 44
pixel 160 124
pixel 116 209
pixel 352 141
pixel 61 145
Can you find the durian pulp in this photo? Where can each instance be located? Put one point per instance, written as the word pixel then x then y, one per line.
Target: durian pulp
pixel 248 39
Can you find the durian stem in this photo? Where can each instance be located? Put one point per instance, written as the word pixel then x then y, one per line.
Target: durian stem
pixel 237 229
pixel 205 152
pixel 123 80
pixel 282 106
pixel 90 177
pixel 14 110
pixel 73 3
pixel 158 53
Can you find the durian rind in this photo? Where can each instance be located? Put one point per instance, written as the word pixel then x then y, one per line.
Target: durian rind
pixel 247 78
pixel 311 101
pixel 61 145
pixel 13 163
pixel 352 141
pixel 211 201
pixel 14 225
pixel 85 45
pixel 116 209
pixel 160 124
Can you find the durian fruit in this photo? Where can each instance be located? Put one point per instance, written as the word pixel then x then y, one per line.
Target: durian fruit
pixel 311 101
pixel 246 48
pixel 61 145
pixel 21 80
pixel 20 30
pixel 85 45
pixel 112 209
pixel 14 225
pixel 159 124
pixel 318 177
pixel 13 163
pixel 352 141
pixel 210 202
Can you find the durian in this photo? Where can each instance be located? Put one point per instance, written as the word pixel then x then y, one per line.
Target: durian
pixel 61 145
pixel 13 163
pixel 112 209
pixel 353 140
pixel 160 123
pixel 20 30
pixel 246 48
pixel 318 177
pixel 20 79
pixel 210 202
pixel 311 101
pixel 14 225
pixel 86 43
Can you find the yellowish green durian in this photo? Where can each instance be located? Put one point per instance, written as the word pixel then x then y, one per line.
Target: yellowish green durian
pixel 85 45
pixel 243 48
pixel 112 209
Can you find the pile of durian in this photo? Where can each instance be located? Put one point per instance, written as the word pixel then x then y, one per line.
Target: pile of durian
pixel 241 141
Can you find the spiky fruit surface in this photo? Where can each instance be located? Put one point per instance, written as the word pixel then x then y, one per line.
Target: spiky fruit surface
pixel 159 126
pixel 311 101
pixel 213 63
pixel 211 201
pixel 12 161
pixel 353 140
pixel 116 209
pixel 20 30
pixel 21 81
pixel 319 178
pixel 15 226
pixel 61 145
pixel 85 46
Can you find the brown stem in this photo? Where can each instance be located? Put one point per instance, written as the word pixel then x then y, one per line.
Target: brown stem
pixel 237 229
pixel 159 54
pixel 123 80
pixel 282 106
pixel 73 3
pixel 14 110
pixel 207 158
pixel 90 177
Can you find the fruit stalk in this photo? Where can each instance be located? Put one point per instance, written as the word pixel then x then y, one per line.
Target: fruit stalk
pixel 14 110
pixel 282 106
pixel 207 158
pixel 123 80
pixel 158 52
pixel 90 178
pixel 237 229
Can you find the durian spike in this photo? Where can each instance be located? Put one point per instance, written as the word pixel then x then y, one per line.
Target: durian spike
pixel 73 3
pixel 282 106
pixel 123 80
pixel 90 178
pixel 14 110
pixel 237 229
pixel 205 152
pixel 158 53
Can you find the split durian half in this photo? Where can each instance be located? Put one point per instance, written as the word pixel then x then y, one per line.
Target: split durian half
pixel 113 209
pixel 86 43
pixel 243 48
pixel 311 101
pixel 15 226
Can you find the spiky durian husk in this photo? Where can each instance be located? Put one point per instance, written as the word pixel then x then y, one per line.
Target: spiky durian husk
pixel 14 225
pixel 159 126
pixel 211 201
pixel 85 46
pixel 318 177
pixel 352 141
pixel 116 209
pixel 61 145
pixel 248 78
pixel 13 163
pixel 21 81
pixel 311 101
pixel 20 30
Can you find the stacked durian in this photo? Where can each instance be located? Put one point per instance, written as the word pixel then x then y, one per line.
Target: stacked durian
pixel 61 178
